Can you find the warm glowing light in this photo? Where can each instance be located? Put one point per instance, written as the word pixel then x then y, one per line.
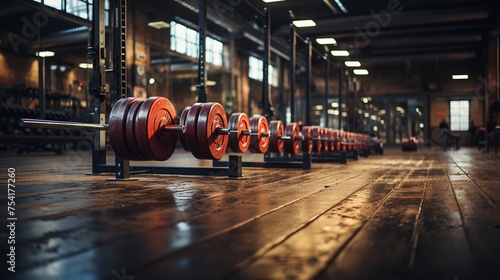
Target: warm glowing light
pixel 304 23
pixel 159 24
pixel 326 41
pixel 352 63
pixel 340 53
pixel 360 72
pixel 45 53
pixel 460 77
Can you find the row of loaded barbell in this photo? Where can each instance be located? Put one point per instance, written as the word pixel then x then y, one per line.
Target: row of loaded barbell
pixel 148 129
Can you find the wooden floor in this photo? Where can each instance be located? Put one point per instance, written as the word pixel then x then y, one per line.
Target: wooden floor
pixel 424 215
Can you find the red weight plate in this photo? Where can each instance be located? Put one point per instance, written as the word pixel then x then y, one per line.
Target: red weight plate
pixel 130 127
pixel 356 141
pixel 192 128
pixel 276 144
pixel 331 139
pixel 212 144
pixel 292 145
pixel 239 142
pixel 325 146
pixel 307 143
pixel 182 136
pixel 258 142
pixel 349 141
pixel 343 143
pixel 154 143
pixel 117 131
pixel 336 137
pixel 316 133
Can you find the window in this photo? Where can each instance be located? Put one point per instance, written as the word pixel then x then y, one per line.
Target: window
pixel 79 8
pixel 255 70
pixel 459 115
pixel 185 40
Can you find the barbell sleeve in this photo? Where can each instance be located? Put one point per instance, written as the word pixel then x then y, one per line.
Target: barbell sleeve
pixel 39 123
pixel 177 128
pixel 287 137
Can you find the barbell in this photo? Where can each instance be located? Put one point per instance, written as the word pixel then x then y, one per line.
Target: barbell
pixel 148 129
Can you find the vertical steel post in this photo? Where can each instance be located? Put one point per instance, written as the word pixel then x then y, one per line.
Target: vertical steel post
pixel 41 85
pixel 355 114
pixel 347 101
pixel 340 97
pixel 291 70
pixel 120 70
pixel 202 36
pixel 327 74
pixel 308 81
pixel 97 86
pixel 266 102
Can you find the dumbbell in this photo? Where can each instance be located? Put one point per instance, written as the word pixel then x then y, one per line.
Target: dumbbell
pixel 275 137
pixel 148 129
pixel 325 139
pixel 238 130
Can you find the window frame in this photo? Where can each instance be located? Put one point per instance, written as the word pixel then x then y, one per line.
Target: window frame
pixel 459 114
pixel 184 40
pixel 255 70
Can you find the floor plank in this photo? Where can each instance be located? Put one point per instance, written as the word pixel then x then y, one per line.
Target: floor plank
pixel 423 215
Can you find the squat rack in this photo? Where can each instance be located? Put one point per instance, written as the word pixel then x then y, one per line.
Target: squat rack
pixel 270 159
pixel 97 51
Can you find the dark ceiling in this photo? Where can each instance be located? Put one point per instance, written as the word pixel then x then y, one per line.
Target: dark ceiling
pixel 386 31
pixel 376 32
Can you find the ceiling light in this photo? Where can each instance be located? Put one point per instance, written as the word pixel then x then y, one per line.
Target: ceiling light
pixel 210 83
pixel 159 24
pixel 152 81
pixel 460 77
pixel 326 41
pixel 45 53
pixel 271 1
pixel 304 23
pixel 340 53
pixel 360 72
pixel 85 65
pixel 352 63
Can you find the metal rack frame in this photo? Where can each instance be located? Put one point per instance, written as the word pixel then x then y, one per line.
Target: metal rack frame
pixel 122 167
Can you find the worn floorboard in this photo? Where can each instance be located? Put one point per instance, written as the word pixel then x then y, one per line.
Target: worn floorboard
pixel 424 215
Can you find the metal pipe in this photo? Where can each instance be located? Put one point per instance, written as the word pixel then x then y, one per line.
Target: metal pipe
pixel 340 97
pixel 308 81
pixel 291 71
pixel 41 85
pixel 222 131
pixel 37 123
pixel 202 36
pixel 327 74
pixel 262 14
pixel 266 98
pixel 176 128
pixel 288 137
pixel 262 134
pixel 497 74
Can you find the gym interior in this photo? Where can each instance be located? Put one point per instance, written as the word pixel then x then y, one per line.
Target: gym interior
pixel 249 139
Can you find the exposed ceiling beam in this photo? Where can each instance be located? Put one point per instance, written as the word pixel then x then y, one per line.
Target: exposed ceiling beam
pixel 427 18
pixel 332 7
